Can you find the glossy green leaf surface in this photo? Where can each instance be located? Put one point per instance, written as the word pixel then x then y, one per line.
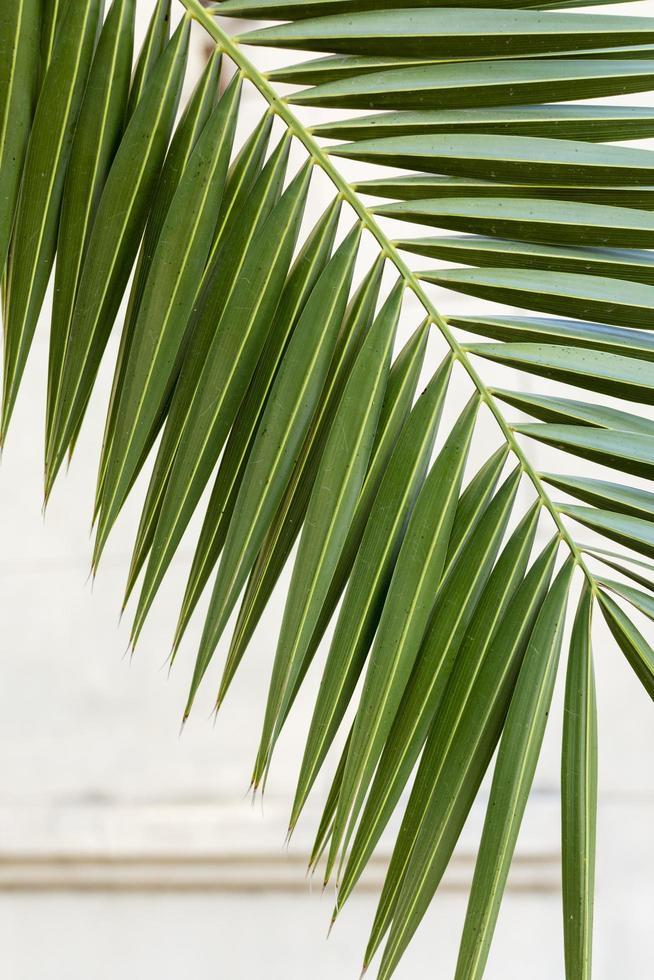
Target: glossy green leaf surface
pixel 455 33
pixel 633 644
pixel 420 187
pixel 154 42
pixel 167 303
pixel 114 240
pixel 194 116
pixel 633 532
pixel 610 301
pixel 239 334
pixel 579 796
pixel 19 75
pixel 405 616
pixel 524 159
pixel 44 172
pixel 300 9
pixel 595 123
pixel 400 391
pixel 610 496
pixel 370 575
pixel 96 140
pixel 628 452
pixel 289 516
pixel 514 771
pixel 52 15
pixel 465 732
pixel 636 265
pixel 284 426
pixel 569 411
pixel 305 272
pixel 237 248
pixel 611 374
pixel 639 600
pixel 551 330
pixel 339 481
pixel 491 83
pixel 468 607
pixel 616 561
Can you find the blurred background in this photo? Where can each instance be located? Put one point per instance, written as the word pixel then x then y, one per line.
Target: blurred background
pixel 126 850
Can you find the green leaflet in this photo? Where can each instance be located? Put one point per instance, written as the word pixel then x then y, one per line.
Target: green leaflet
pixel 52 15
pixel 370 575
pixel 405 617
pixel 637 266
pixel 333 501
pixel 300 9
pixel 315 71
pixel 609 496
pixel 167 303
pixel 633 532
pixel 97 136
pixel 284 425
pixel 239 334
pixel 303 276
pixel 420 187
pixel 599 336
pixel 635 647
pixel 154 43
pixel 319 71
pixel 19 68
pixel 473 502
pixel 463 737
pixel 470 507
pixel 514 771
pixel 48 150
pixel 242 178
pixel 548 408
pixel 400 392
pixel 579 796
pixel 639 600
pixel 468 606
pixel 488 83
pixel 219 282
pixel 618 566
pixel 524 159
pixel 611 374
pixel 590 297
pixel 596 123
pixel 532 221
pixel 327 817
pixel 288 518
pixel 114 241
pixel 627 452
pixel 455 33
pixel 190 126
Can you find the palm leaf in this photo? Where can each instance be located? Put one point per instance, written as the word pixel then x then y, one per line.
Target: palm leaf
pixel 182 144
pixel 261 351
pixel 464 733
pixel 300 282
pixel 96 140
pixel 19 61
pixel 514 770
pixel 579 795
pixel 35 234
pixel 289 516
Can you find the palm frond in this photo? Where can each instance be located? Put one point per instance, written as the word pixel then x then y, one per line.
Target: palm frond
pixel 263 354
